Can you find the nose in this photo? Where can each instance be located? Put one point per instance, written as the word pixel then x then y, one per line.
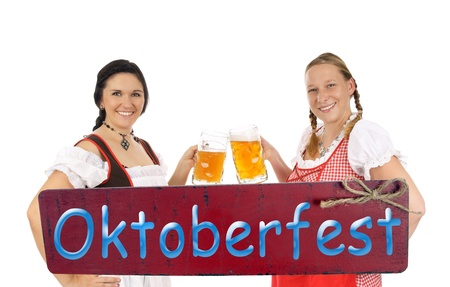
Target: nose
pixel 127 100
pixel 321 97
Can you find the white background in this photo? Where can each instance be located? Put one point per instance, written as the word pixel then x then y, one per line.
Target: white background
pixel 219 64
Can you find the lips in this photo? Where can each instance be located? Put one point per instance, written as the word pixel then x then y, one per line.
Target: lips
pixel 324 109
pixel 126 114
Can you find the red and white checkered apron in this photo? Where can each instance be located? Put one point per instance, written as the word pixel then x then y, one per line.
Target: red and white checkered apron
pixel 337 167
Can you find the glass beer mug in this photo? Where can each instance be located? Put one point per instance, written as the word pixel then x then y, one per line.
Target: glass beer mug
pixel 247 154
pixel 210 158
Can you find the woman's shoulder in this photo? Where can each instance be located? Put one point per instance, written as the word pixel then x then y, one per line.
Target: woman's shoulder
pixel 82 167
pixel 369 146
pixel 88 143
pixel 369 136
pixel 367 127
pixel 367 132
pixel 73 154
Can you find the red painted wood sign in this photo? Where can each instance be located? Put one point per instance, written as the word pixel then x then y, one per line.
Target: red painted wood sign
pixel 247 229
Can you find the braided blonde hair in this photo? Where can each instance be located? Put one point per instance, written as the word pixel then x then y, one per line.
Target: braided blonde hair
pixel 329 58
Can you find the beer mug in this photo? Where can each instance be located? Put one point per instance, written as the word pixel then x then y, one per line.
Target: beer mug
pixel 247 154
pixel 210 158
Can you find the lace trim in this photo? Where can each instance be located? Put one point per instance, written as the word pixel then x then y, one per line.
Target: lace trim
pixel 310 163
pixel 382 159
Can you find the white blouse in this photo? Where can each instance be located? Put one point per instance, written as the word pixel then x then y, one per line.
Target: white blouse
pixel 86 169
pixel 369 146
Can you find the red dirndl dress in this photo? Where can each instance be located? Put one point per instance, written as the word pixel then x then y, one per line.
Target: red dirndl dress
pixel 336 167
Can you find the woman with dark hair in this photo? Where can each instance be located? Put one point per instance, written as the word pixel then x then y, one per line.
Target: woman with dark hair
pixel 111 156
pixel 342 144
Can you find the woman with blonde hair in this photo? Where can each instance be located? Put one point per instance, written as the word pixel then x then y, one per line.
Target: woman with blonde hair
pixel 343 144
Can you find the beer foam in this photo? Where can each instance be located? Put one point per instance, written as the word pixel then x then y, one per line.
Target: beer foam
pixel 244 137
pixel 244 134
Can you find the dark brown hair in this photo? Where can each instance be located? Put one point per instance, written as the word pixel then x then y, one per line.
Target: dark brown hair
pixel 112 68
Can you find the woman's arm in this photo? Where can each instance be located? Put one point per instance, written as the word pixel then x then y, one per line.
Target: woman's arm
pixel 394 169
pixel 58 180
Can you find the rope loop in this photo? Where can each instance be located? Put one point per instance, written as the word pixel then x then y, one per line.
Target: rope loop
pixel 367 194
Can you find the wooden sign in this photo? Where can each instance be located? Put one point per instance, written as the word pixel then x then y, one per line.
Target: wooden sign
pixel 247 229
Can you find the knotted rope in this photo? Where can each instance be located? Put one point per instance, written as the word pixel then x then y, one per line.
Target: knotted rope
pixel 370 194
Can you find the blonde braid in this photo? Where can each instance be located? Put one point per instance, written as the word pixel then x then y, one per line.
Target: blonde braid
pixel 349 127
pixel 313 145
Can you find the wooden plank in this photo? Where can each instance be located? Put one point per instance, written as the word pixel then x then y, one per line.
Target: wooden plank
pixel 248 229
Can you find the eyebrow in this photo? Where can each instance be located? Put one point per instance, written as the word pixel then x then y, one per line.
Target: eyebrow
pixel 117 90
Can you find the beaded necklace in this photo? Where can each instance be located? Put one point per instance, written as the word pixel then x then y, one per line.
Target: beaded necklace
pixel 125 144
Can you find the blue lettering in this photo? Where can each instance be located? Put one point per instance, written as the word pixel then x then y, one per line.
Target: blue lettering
pixel 107 239
pixel 196 228
pixel 89 236
pixel 295 225
pixel 263 229
pixel 321 240
pixel 162 240
pixel 359 235
pixel 142 226
pixel 230 241
pixel 388 223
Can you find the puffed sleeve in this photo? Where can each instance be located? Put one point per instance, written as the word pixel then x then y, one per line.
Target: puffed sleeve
pixel 370 146
pixel 83 168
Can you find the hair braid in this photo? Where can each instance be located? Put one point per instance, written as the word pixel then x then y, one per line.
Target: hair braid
pixel 313 145
pixel 349 127
pixel 99 121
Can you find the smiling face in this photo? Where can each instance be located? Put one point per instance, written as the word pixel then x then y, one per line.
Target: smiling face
pixel 123 100
pixel 329 93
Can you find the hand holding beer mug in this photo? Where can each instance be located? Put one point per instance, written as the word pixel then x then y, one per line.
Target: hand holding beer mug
pixel 247 154
pixel 210 158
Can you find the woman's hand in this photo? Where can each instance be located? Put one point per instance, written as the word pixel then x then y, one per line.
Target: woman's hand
pixel 185 164
pixel 268 149
pixel 272 155
pixel 83 280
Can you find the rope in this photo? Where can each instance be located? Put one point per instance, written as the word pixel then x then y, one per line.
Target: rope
pixel 370 194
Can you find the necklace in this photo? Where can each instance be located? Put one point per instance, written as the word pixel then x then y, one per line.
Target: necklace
pixel 324 150
pixel 125 144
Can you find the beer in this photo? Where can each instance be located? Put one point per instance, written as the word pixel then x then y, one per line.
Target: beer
pixel 210 158
pixel 247 155
pixel 208 166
